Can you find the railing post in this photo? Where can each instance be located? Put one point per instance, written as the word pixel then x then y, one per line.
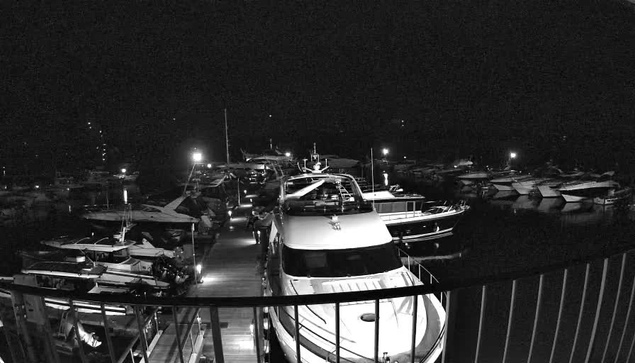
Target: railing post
pixel 142 334
pixel 19 310
pixel 446 328
pixel 577 328
pixel 615 305
pixel 415 304
pixel 297 333
pixel 256 332
pixel 510 319
pixel 536 316
pixel 111 348
pixel 217 339
pixel 597 311
pixel 480 322
pixel 73 313
pixel 628 317
pixel 337 332
pixel 178 334
pixel 376 331
pixel 560 309
pixel 46 327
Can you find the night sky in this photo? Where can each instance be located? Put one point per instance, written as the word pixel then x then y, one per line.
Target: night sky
pixel 550 79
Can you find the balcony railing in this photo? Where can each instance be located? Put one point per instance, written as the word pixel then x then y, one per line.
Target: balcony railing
pixel 575 312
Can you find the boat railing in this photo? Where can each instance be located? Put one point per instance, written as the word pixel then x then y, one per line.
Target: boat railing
pixel 423 274
pixel 577 310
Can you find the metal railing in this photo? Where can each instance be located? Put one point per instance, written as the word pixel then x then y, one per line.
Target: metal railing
pixel 575 312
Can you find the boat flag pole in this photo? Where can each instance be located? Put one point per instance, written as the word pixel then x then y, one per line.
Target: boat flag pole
pixel 226 137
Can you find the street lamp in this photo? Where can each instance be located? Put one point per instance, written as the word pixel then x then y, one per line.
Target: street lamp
pixel 512 156
pixel 197 157
pixel 384 152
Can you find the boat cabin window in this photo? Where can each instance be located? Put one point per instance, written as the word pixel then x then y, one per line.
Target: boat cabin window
pixel 340 263
pixel 109 257
pixel 64 283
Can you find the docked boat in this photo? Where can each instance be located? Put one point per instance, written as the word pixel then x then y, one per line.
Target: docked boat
pixel 127 259
pixel 74 274
pixel 180 210
pixel 503 183
pixel 410 218
pixel 125 272
pixel 474 177
pixel 326 238
pixel 549 188
pixel 580 190
pixel 526 185
pixel 614 196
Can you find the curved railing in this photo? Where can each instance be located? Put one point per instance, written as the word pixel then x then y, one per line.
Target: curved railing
pixel 578 311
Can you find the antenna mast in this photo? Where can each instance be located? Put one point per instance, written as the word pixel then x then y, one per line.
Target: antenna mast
pixel 226 137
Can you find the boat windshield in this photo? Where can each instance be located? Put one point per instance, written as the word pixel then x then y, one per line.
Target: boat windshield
pixel 320 195
pixel 340 263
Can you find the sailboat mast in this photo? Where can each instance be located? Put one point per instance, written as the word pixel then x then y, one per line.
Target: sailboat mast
pixel 226 137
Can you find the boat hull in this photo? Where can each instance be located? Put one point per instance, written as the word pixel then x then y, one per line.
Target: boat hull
pixel 570 198
pixel 421 229
pixel 523 188
pixel 548 192
pixel 504 187
pixel 624 195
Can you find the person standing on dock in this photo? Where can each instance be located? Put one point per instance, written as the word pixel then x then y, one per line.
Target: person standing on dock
pixel 262 225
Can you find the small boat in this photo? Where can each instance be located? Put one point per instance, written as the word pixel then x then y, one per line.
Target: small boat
pixel 410 218
pixel 181 210
pixel 474 177
pixel 614 196
pixel 111 245
pixel 74 274
pixel 58 262
pixel 120 257
pixel 326 238
pixel 549 188
pixel 588 188
pixel 503 183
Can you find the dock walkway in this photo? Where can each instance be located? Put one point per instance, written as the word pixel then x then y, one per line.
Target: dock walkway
pixel 230 268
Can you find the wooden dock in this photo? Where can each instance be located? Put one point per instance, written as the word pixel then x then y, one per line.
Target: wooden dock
pixel 229 268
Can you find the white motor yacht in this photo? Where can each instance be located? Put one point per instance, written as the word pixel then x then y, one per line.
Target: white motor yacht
pixel 410 218
pixel 325 239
